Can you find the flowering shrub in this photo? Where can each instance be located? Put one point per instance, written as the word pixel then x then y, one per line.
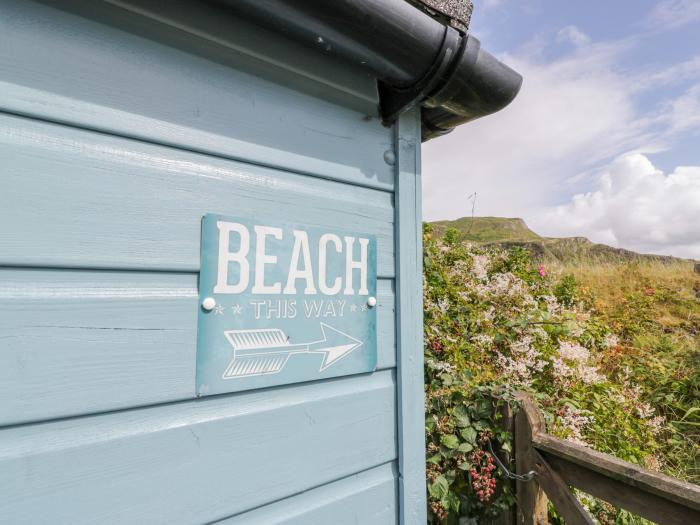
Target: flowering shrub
pixel 494 324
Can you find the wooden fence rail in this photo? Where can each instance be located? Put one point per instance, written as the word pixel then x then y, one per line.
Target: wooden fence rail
pixel 560 465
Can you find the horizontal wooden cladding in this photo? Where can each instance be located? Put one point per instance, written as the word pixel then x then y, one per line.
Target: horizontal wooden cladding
pixel 191 92
pixel 367 498
pixel 196 461
pixel 74 342
pixel 80 199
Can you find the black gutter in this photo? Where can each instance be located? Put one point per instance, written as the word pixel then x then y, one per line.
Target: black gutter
pixel 416 59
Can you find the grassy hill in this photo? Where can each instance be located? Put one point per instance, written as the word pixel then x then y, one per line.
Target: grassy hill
pixel 489 229
pixel 509 232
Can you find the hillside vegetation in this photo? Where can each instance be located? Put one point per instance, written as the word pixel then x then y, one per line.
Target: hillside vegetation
pixel 489 229
pixel 512 232
pixel 609 350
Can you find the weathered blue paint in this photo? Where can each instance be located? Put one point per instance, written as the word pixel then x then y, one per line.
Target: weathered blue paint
pixel 366 498
pixel 79 342
pixel 283 303
pixel 120 128
pixel 200 460
pixel 409 319
pixel 146 201
pixel 224 98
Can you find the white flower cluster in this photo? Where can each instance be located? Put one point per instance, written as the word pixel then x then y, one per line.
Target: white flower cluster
pixel 573 352
pixel 645 410
pixel 551 303
pixel 573 421
pixel 483 341
pixel 572 363
pixel 502 284
pixel 523 364
pixel 481 263
pixel 488 316
pixel 656 424
pixel 443 304
pixel 440 366
pixel 633 393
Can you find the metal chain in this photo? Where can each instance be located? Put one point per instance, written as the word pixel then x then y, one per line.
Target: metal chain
pixel 511 475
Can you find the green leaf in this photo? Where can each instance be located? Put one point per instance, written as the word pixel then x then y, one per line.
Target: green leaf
pixel 690 411
pixel 451 502
pixel 484 408
pixel 461 416
pixel 465 447
pixel 692 423
pixel 469 434
pixel 449 440
pixel 481 425
pixel 435 459
pixel 439 488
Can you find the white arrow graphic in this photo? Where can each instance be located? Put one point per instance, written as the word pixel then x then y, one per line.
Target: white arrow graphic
pixel 265 351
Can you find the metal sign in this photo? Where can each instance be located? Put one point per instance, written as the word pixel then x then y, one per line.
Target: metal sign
pixel 283 303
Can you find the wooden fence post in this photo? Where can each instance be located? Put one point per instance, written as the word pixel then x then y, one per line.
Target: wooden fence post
pixel 561 465
pixel 531 501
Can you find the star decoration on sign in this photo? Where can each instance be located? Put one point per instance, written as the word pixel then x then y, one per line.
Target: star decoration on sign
pixel 219 310
pixel 237 309
pixel 363 307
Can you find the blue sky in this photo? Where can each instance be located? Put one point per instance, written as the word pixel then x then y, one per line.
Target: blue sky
pixel 604 139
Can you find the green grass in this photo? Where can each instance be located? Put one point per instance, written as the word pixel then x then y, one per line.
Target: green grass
pixel 655 308
pixel 489 229
pixel 671 291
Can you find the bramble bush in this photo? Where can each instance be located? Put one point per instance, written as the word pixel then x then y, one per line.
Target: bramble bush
pixel 496 324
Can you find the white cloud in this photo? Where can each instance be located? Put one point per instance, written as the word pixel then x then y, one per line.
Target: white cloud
pixel 573 35
pixel 670 14
pixel 570 115
pixel 651 78
pixel 636 206
pixel 683 113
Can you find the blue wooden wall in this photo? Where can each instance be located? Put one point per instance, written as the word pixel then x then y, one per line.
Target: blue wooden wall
pixel 119 129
